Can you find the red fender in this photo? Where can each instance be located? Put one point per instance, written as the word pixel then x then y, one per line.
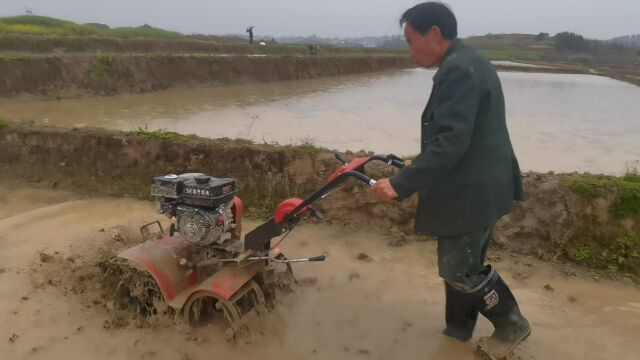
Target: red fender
pixel 286 207
pixel 160 258
pixel 236 210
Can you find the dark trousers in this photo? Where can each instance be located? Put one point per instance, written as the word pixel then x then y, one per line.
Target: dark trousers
pixel 461 258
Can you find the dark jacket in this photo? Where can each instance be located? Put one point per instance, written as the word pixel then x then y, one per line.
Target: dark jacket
pixel 466 175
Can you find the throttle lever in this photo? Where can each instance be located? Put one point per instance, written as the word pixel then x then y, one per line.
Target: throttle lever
pixel 318 215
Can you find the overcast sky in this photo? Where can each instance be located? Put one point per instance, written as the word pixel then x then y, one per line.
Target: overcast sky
pixel 598 19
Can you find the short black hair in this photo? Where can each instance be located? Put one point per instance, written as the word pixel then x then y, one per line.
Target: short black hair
pixel 423 17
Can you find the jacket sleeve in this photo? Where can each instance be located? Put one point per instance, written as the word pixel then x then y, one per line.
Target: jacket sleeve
pixel 454 113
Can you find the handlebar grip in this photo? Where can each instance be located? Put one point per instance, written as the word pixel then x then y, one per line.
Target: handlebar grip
pixel 362 177
pixel 318 258
pixel 395 161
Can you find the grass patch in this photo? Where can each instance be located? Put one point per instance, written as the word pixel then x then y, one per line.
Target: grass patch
pixel 623 254
pixel 307 146
pixel 144 31
pixel 23 29
pixel 264 209
pixel 627 187
pixel 102 64
pixel 512 55
pixel 161 134
pixel 3 123
pixel 34 20
pixel 43 25
pixel 11 57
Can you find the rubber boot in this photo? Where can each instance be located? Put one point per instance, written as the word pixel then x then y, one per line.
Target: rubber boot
pixel 496 302
pixel 461 314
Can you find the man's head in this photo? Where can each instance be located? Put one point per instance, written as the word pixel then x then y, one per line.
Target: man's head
pixel 429 29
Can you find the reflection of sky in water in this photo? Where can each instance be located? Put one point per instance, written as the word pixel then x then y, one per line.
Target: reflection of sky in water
pixel 557 122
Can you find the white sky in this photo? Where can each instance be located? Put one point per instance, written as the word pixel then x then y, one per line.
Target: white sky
pixel 343 18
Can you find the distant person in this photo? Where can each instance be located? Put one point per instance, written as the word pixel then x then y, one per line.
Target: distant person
pixel 466 176
pixel 250 31
pixel 312 50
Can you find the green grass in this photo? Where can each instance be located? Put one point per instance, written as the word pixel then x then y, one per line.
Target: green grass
pixel 143 32
pixel 512 55
pixel 101 66
pixel 622 254
pixel 34 20
pixel 43 25
pixel 12 57
pixel 307 146
pixel 507 42
pixel 264 209
pixel 627 202
pixel 3 123
pixel 161 134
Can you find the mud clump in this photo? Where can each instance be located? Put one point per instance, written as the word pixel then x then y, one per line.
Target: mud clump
pixel 129 297
pixel 354 276
pixel 13 338
pixel 45 258
pixel 102 280
pixel 133 291
pixel 57 271
pixel 364 257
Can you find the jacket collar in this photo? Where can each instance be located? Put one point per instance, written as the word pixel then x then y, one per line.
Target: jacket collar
pixel 454 47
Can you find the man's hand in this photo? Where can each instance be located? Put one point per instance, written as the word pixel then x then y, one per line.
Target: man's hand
pixel 384 190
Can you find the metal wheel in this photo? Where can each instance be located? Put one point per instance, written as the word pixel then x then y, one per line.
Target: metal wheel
pixel 204 307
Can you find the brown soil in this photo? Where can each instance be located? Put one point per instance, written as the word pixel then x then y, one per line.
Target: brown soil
pixel 77 75
pixel 53 303
pixel 552 223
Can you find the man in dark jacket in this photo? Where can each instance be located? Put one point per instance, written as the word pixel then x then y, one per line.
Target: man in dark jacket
pixel 466 177
pixel 250 31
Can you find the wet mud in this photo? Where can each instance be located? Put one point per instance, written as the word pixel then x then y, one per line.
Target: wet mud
pixel 368 300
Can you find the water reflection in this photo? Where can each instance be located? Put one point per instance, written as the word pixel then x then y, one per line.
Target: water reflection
pixel 557 122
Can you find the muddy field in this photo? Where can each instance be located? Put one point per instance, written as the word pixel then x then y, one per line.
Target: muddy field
pixel 64 214
pixel 369 300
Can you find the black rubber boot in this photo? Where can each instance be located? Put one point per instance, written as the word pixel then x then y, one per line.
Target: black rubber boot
pixel 496 302
pixel 461 314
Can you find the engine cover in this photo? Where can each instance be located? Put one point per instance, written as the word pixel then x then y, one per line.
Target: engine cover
pixel 201 204
pixel 202 226
pixel 194 188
